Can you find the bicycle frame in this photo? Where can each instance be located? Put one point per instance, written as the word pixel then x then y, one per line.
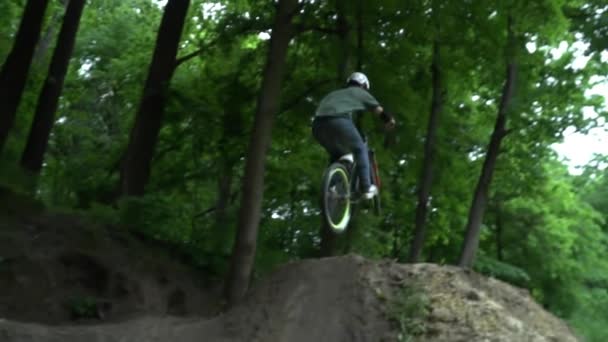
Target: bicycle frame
pixel 351 167
pixel 346 171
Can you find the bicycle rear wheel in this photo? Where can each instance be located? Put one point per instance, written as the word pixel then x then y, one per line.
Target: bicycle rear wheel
pixel 335 197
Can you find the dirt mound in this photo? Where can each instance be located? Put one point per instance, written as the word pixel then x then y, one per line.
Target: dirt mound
pixel 343 299
pixel 59 268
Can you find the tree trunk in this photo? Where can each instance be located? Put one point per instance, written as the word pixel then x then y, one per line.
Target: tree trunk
pixel 232 127
pixel 48 100
pixel 328 244
pixel 17 65
pixel 244 248
pixel 49 34
pixel 137 159
pixel 426 177
pixel 224 185
pixel 345 246
pixel 343 30
pixel 499 230
pixel 360 35
pixel 480 198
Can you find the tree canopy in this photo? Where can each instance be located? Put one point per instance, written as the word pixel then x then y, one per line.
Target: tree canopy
pixel 540 227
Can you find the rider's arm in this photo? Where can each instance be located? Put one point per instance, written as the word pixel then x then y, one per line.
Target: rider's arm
pixel 388 119
pixel 374 106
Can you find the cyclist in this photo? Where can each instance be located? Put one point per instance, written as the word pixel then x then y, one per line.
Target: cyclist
pixel 334 129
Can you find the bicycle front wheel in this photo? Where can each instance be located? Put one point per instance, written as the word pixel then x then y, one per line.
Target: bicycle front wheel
pixel 335 201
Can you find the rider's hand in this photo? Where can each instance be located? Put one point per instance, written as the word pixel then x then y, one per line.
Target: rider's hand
pixel 390 125
pixel 389 120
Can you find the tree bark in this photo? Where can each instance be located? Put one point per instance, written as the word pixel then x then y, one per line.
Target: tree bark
pixel 499 230
pixel 224 187
pixel 360 35
pixel 17 65
pixel 243 254
pixel 226 162
pixel 426 177
pixel 47 37
pixel 480 198
pixel 342 28
pixel 329 244
pixel 48 100
pixel 137 160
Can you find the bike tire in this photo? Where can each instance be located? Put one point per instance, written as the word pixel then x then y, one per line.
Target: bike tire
pixel 336 205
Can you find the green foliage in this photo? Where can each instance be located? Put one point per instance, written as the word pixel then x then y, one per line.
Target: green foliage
pixel 83 307
pixel 547 228
pixel 501 270
pixel 171 223
pixel 408 308
pixel 9 15
pixel 595 306
pixel 156 216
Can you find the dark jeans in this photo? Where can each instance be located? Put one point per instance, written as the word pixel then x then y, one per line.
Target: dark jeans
pixel 339 136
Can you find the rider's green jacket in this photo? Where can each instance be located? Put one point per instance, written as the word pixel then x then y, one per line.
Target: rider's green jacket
pixel 343 102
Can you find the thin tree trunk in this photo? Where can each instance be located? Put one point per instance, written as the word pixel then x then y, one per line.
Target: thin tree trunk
pixel 232 126
pixel 499 230
pixel 17 65
pixel 360 35
pixel 224 199
pixel 397 229
pixel 328 241
pixel 224 184
pixel 426 177
pixel 359 64
pixel 137 160
pixel 346 245
pixel 328 244
pixel 354 224
pixel 47 38
pixel 480 198
pixel 48 100
pixel 343 33
pixel 243 254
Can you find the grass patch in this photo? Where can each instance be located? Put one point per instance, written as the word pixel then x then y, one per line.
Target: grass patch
pixel 83 307
pixel 407 310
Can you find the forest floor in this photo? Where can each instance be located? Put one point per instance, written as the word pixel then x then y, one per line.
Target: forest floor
pixel 61 279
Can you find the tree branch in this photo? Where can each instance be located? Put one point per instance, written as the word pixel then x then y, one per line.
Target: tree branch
pixel 311 88
pixel 191 55
pixel 214 208
pixel 249 27
pixel 304 28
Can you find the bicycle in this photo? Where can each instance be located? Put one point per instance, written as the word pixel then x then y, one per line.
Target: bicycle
pixel 340 190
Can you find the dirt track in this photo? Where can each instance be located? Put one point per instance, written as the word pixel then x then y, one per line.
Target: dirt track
pixel 339 299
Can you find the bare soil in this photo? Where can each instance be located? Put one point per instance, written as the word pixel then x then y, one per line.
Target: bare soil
pixel 141 293
pixel 63 269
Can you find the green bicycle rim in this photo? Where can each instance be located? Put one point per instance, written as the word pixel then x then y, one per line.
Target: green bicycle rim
pixel 343 223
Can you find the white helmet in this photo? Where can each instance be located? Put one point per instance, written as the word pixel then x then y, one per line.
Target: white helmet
pixel 359 78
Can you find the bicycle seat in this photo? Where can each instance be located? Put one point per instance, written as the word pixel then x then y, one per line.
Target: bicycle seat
pixel 348 157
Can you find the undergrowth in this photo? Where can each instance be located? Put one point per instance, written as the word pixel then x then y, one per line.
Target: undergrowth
pixel 408 309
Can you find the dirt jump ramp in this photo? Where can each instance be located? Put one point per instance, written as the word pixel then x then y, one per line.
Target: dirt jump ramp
pixel 341 299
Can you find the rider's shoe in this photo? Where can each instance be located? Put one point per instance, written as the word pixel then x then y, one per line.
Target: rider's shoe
pixel 371 192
